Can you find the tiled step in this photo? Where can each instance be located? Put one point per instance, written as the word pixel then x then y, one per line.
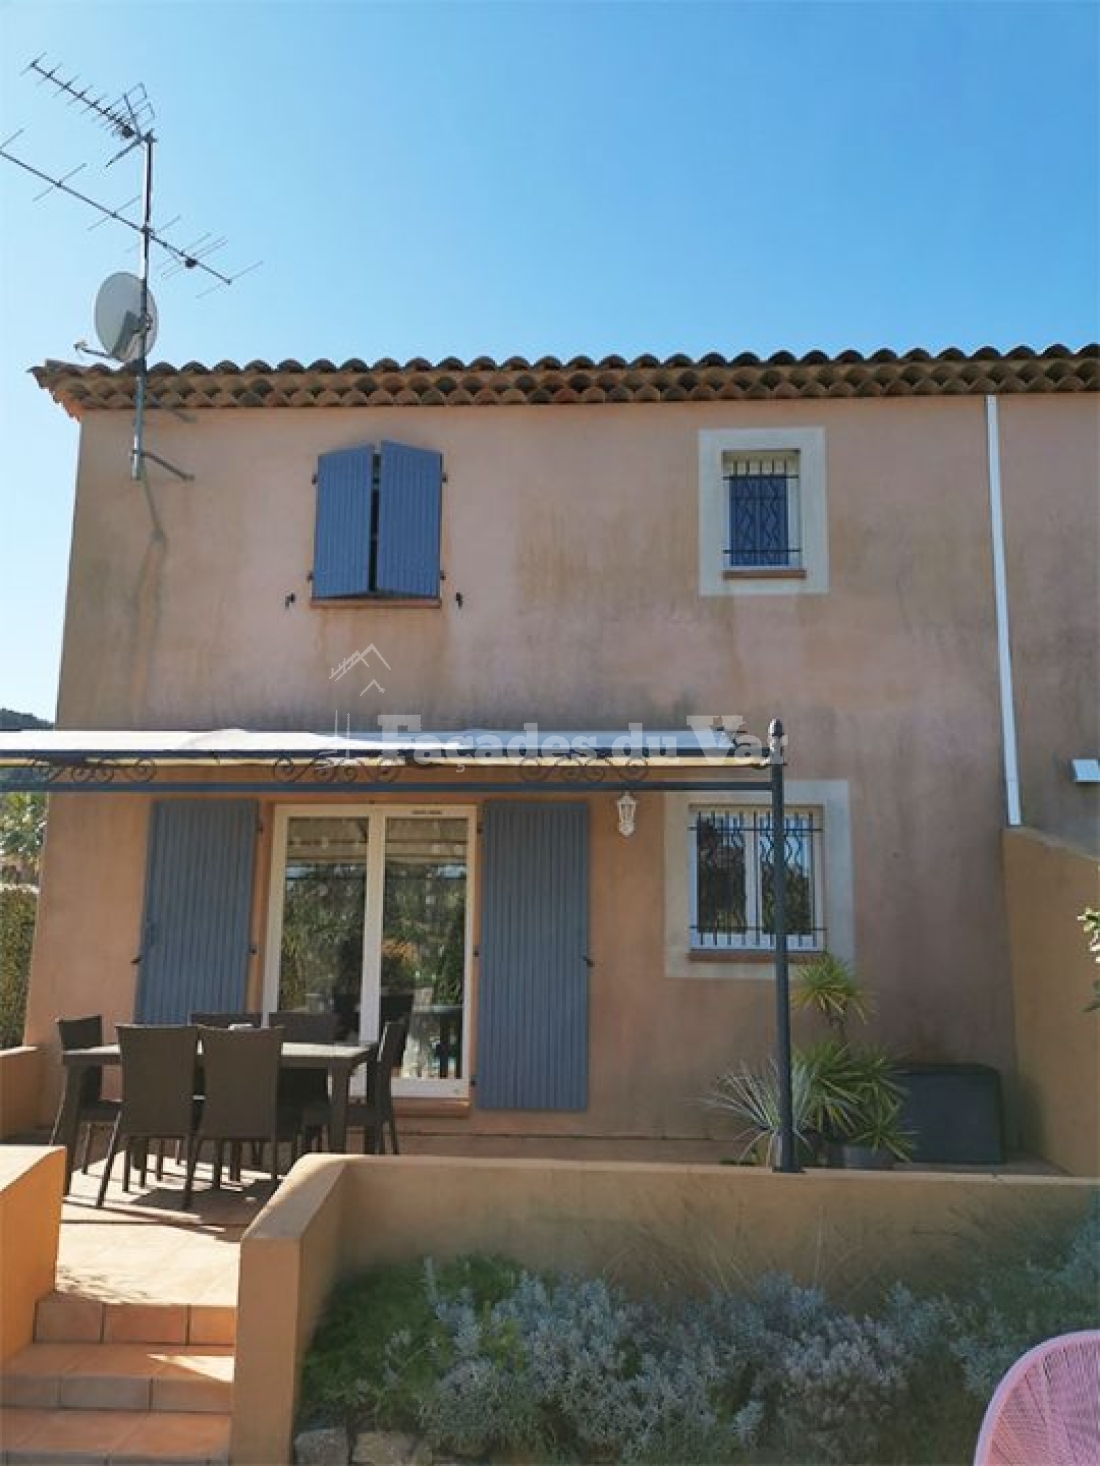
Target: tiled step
pixel 113 1438
pixel 71 1318
pixel 196 1379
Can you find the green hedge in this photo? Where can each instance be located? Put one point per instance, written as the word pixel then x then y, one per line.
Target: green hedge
pixel 17 908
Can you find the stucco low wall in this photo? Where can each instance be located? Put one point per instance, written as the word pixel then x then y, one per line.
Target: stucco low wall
pixel 21 1074
pixel 642 1225
pixel 1047 886
pixel 32 1182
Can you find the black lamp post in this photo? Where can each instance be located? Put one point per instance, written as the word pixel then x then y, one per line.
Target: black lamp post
pixel 788 1161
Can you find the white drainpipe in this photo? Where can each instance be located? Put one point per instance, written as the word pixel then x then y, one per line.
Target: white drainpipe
pixel 1000 598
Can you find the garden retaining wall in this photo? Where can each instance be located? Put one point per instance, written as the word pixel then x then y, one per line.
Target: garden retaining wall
pixel 1047 886
pixel 646 1226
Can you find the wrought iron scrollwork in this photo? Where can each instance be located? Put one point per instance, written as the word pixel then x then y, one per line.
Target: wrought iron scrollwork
pixel 91 771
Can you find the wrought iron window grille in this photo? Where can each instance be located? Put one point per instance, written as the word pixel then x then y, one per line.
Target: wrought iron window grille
pixel 762 496
pixel 733 880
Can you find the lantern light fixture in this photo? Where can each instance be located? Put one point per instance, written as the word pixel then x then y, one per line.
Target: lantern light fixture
pixel 626 805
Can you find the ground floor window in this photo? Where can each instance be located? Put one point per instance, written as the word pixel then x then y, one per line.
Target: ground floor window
pixel 733 858
pixel 369 920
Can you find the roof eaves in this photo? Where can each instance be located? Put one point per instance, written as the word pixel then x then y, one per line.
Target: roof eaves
pixel 580 380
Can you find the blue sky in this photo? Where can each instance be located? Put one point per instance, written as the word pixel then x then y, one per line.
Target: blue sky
pixel 463 178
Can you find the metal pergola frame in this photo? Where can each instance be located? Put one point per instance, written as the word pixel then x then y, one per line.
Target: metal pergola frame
pixel 122 771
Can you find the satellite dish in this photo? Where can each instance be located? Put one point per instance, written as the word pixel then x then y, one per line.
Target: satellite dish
pixel 122 332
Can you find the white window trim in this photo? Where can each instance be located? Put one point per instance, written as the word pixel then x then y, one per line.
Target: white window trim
pixel 733 942
pixel 811 531
pixel 831 798
pixel 376 815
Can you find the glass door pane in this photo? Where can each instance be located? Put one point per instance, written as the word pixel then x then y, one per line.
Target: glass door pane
pixel 324 901
pixel 423 968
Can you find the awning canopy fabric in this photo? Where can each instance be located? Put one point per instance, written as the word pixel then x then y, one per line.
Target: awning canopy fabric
pixel 63 759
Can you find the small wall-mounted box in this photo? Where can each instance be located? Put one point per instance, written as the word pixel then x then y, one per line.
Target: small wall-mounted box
pixel 1085 770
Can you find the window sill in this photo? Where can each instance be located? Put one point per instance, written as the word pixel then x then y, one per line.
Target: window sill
pixel 339 603
pixel 743 955
pixel 764 572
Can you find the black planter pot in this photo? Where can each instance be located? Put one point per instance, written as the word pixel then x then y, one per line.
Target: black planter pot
pixel 953 1113
pixel 842 1155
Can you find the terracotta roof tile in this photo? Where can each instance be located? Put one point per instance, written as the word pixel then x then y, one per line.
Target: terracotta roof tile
pixel 516 381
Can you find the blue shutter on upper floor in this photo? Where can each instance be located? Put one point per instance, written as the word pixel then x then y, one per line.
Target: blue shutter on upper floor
pixel 342 532
pixel 532 1045
pixel 410 492
pixel 196 932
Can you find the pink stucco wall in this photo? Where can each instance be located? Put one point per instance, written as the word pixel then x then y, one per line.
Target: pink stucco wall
pixel 570 534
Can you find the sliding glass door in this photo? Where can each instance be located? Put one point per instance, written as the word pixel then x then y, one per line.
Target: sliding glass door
pixel 369 920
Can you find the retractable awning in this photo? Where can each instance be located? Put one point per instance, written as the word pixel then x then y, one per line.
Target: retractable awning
pixel 180 760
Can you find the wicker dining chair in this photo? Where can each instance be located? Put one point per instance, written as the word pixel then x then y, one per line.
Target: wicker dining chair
pixel 92 1108
pixel 378 1115
pixel 241 1097
pixel 158 1090
pixel 304 1092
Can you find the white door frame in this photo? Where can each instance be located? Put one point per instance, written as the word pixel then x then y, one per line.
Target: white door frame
pixel 376 815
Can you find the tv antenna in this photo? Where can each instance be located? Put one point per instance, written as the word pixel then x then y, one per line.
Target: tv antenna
pixel 125 312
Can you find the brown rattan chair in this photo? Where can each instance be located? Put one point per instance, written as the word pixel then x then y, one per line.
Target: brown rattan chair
pixel 241 1096
pixel 158 1088
pixel 93 1109
pixel 250 1019
pixel 305 1091
pixel 378 1113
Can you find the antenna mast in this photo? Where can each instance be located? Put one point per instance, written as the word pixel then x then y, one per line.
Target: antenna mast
pixel 130 120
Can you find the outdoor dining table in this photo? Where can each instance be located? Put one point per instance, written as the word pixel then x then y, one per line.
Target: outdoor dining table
pixel 339 1060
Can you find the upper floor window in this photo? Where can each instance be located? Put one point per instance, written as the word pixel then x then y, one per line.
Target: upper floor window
pixel 762 512
pixel 764 528
pixel 378 524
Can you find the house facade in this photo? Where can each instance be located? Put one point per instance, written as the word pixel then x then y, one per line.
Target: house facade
pixel 347 715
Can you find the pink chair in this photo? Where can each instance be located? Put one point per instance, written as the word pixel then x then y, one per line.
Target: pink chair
pixel 1046 1410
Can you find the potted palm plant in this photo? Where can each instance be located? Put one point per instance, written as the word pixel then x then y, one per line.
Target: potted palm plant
pixel 846 1100
pixel 855 1099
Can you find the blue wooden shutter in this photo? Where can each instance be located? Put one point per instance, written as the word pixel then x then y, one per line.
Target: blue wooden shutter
pixel 341 543
pixel 410 493
pixel 198 903
pixel 532 1051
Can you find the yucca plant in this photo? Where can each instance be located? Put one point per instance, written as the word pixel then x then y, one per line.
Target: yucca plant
pixel 752 1097
pixel 828 986
pixel 833 1078
pixel 855 1098
pixel 877 1124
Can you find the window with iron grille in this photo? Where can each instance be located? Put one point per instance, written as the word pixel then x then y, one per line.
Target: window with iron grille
pixel 763 511
pixel 733 858
pixel 762 524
